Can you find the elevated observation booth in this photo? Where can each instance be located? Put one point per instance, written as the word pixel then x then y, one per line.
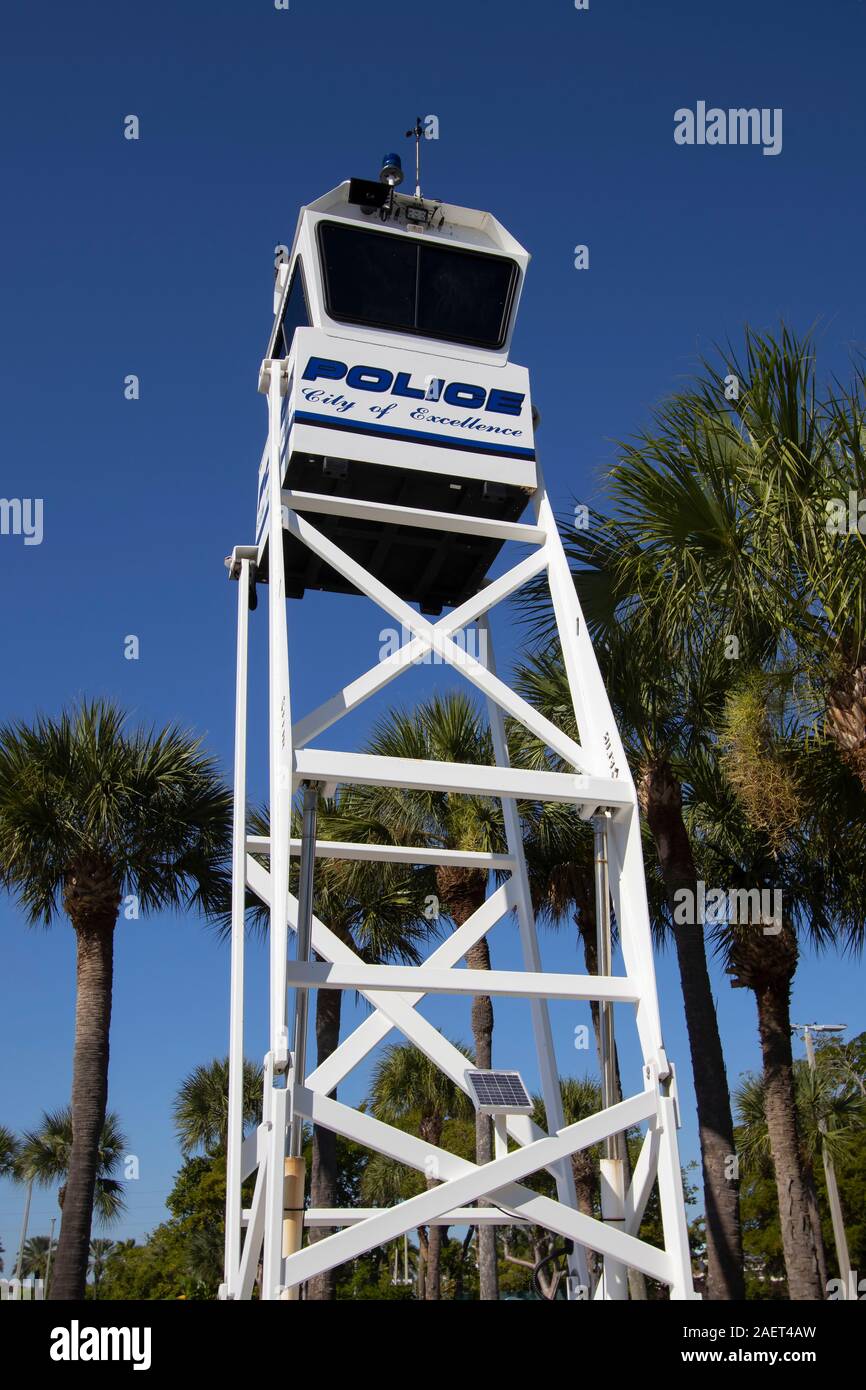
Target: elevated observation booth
pixel 396 315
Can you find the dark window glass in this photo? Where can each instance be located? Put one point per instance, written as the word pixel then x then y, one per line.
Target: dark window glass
pixel 386 281
pixel 369 277
pixel 296 314
pixel 462 296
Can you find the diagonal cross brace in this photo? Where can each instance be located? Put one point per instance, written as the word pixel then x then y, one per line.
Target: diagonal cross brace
pixel 499 1178
pixel 518 984
pixel 489 684
pixel 394 1010
pixel 380 675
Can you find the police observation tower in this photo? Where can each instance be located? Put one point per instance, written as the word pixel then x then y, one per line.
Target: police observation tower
pixel 399 462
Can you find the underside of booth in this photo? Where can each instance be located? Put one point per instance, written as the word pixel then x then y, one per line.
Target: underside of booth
pixel 435 569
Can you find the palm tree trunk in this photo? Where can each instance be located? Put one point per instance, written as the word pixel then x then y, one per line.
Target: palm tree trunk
pixel 422 1263
pixel 463 891
pixel 433 1283
pixel 661 799
pixel 94 970
pixel 323 1178
pixel 846 718
pixel 430 1131
pixel 802 1258
pixel 460 1277
pixel 586 1189
pixel 815 1218
pixel 482 1032
pixel 585 1184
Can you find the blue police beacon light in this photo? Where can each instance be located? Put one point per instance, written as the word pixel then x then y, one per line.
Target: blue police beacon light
pixel 392 170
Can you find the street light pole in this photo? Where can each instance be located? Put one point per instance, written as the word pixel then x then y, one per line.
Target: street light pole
pixel 839 1237
pixel 24 1225
pixel 48 1261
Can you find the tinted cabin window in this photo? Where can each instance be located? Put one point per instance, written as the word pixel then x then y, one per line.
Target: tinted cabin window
pixel 462 296
pixel 296 314
pixel 369 277
pixel 388 281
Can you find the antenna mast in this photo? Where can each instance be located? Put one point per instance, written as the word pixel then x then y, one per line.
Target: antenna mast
pixel 418 131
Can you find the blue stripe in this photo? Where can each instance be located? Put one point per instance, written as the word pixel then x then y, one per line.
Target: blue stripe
pixel 306 417
pixel 411 436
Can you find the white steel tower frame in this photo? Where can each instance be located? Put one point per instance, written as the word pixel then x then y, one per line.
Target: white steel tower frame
pixel 599 785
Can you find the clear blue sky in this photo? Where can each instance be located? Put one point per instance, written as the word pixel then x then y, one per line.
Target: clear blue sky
pixel 155 258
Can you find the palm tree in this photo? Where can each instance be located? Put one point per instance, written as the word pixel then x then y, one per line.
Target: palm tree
pixel 741 501
pixel 830 1115
pixel 792 822
pixel 379 910
pixel 34 1263
pixel 729 518
pixel 722 510
pixel 663 707
pixel 717 547
pixel 46 1155
pixel 205 1254
pixel 446 728
pixel 201 1106
pixel 409 1090
pixel 836 579
pixel 10 1167
pixel 100 1252
pixel 92 815
pixel 10 1148
pixel 797 454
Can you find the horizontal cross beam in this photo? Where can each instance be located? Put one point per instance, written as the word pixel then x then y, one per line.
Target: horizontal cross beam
pixel 385 512
pixel 510 983
pixel 462 1216
pixel 473 779
pixel 391 854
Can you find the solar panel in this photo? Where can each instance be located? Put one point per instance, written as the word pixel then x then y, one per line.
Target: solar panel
pixel 499 1093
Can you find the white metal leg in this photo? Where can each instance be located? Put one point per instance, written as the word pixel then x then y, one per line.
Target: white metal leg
pixel 280 724
pixel 236 1007
pixel 544 1049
